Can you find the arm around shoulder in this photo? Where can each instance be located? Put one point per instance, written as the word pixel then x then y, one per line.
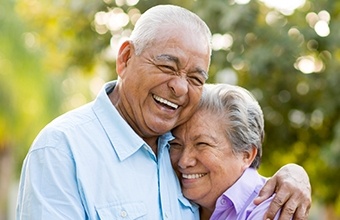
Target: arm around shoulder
pixel 293 193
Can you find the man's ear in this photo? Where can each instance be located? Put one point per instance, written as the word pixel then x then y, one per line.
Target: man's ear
pixel 249 156
pixel 124 54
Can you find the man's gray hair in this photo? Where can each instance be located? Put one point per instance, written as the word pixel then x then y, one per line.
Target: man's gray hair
pixel 241 115
pixel 150 23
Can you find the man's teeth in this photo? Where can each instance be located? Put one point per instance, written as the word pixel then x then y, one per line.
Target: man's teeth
pixel 192 176
pixel 166 102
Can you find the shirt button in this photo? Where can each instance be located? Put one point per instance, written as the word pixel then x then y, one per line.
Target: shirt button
pixel 123 213
pixel 223 201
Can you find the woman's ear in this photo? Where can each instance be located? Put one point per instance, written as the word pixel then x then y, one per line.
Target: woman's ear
pixel 124 54
pixel 249 156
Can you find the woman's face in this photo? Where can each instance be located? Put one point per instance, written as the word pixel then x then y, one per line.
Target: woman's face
pixel 203 159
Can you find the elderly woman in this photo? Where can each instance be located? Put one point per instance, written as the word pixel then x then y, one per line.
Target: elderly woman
pixel 216 154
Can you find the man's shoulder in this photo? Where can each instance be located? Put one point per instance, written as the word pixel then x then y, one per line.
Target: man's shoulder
pixel 58 130
pixel 73 118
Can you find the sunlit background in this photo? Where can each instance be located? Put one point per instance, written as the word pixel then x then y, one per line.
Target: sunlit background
pixel 56 54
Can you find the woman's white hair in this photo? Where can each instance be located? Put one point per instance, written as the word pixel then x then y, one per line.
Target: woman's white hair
pixel 241 115
pixel 150 23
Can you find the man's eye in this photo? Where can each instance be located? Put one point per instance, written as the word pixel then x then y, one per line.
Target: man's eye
pixel 197 81
pixel 166 68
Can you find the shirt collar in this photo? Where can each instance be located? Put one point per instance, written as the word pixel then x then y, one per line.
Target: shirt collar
pixel 240 192
pixel 163 141
pixel 122 137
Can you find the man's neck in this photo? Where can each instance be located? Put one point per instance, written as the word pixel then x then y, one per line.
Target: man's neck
pixel 152 142
pixel 115 100
pixel 205 213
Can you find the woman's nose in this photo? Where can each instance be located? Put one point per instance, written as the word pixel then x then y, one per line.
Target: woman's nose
pixel 187 159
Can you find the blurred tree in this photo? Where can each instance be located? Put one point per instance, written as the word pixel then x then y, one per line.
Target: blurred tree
pixel 55 55
pixel 24 95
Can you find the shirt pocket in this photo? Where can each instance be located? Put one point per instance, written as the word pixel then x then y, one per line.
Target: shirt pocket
pixel 125 211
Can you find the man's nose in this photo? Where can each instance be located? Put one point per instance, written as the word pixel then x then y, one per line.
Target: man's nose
pixel 178 85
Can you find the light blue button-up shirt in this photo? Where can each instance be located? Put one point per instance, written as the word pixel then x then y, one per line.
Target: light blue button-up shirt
pixel 90 164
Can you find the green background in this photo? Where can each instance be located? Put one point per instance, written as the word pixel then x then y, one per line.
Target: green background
pixel 56 54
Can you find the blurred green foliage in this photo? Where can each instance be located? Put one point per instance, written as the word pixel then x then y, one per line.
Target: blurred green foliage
pixel 55 55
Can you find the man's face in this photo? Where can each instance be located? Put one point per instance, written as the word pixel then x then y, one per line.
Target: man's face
pixel 162 86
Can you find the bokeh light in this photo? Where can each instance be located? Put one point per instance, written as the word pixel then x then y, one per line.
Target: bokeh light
pixel 286 7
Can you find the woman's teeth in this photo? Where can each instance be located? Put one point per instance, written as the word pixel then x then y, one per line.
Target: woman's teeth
pixel 192 176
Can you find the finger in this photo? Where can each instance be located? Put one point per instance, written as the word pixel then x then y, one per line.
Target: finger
pixel 277 203
pixel 288 210
pixel 295 207
pixel 266 192
pixel 302 202
pixel 302 212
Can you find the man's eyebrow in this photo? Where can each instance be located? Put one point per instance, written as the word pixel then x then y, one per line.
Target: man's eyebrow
pixel 168 57
pixel 202 72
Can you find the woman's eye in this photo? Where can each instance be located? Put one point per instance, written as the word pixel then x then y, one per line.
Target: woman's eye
pixel 202 144
pixel 175 146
